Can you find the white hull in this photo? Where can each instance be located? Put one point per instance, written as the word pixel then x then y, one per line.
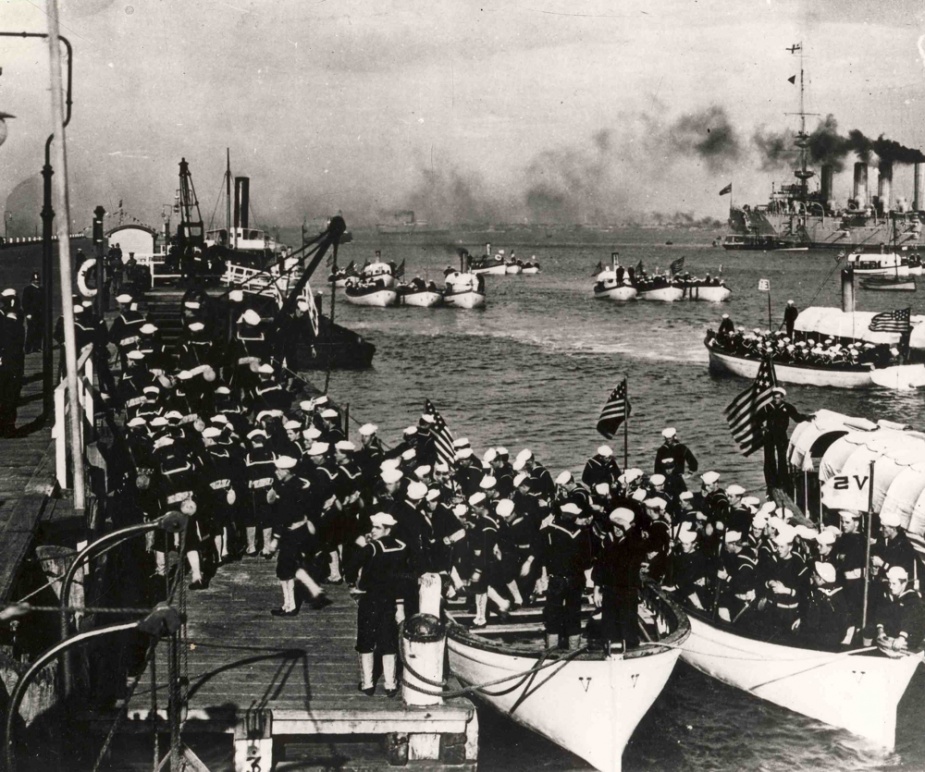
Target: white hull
pixel 469 299
pixel 710 294
pixel 806 376
pixel 915 270
pixel 857 693
pixel 902 270
pixel 425 299
pixel 616 293
pixel 495 270
pixel 588 706
pixel 380 298
pixel 530 270
pixel 900 377
pixel 513 269
pixel 663 294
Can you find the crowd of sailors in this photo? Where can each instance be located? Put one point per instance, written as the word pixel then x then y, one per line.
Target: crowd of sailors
pixel 799 348
pixel 220 433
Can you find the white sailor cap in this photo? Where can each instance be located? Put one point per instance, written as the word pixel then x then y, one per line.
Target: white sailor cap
pixel 779 390
pixel 897 574
pixel 827 536
pixel 570 509
pixel 211 432
pixel 191 304
pixel 806 533
pixel 251 317
pixel 292 425
pixel 785 535
pixel 265 369
pixel 605 450
pixel 284 462
pixel 318 449
pixel 136 421
pixel 173 415
pixel 257 434
pixel 382 520
pixel 302 305
pixel 504 508
pixel 759 521
pixel 460 510
pixel 321 400
pixel 522 458
pixel 669 432
pixel 263 415
pixel 890 518
pixel 462 442
pixel 422 471
pixel 162 442
pixel 148 329
pixel 502 452
pixel 768 507
pixel 825 571
pixel 223 390
pixel 428 418
pixel 135 354
pixel 345 446
pixel 735 490
pixel 655 503
pixel 602 489
pixel 311 433
pixel 236 296
pixel 368 429
pixel 564 478
pixel 409 454
pixel 685 496
pixel 307 405
pixel 390 463
pixel 520 479
pixel 329 413
pixel 464 453
pixel 487 483
pixel 849 514
pixel 476 499
pixel 638 495
pixel 416 491
pixel 657 479
pixel 196 326
pixel 633 474
pixel 687 535
pixel 732 537
pixel 124 298
pixel 710 477
pixel 490 455
pixel 220 418
pixel 725 316
pixel 391 475
pixel 433 494
pixel 410 431
pixel 751 502
pixel 622 516
pixel 158 421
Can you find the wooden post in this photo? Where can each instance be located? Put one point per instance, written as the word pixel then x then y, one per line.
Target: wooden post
pixel 870 517
pixel 423 647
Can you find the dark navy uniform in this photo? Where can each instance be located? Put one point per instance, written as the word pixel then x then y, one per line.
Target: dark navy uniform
pixel 380 569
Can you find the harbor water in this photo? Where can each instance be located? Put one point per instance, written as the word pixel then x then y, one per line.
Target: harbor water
pixel 533 369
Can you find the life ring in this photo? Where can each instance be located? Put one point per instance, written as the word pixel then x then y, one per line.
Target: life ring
pixel 82 272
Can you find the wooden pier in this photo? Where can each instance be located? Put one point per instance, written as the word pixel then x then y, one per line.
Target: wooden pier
pixel 285 689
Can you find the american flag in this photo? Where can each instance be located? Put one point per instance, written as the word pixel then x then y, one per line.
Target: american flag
pixel 616 410
pixel 443 437
pixel 742 413
pixel 676 265
pixel 892 321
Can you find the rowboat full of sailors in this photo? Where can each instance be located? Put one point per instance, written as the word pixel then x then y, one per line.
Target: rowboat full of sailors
pixel 857 690
pixel 463 289
pixel 374 286
pixel 711 291
pixel 584 700
pixel 419 294
pixel 659 288
pixel 608 286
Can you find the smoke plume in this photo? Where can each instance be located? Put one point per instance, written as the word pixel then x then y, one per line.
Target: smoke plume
pixel 709 135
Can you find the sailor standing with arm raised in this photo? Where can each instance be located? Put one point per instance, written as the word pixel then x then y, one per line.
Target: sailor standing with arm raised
pixel 774 418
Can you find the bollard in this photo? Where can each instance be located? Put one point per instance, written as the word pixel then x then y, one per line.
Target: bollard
pixel 423 647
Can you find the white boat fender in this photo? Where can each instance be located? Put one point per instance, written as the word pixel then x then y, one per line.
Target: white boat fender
pixel 423 652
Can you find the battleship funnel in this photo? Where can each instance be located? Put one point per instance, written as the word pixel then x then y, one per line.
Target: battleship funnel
pixel 826 182
pixel 241 201
pixel 885 185
pixel 847 290
pixel 860 184
pixel 919 180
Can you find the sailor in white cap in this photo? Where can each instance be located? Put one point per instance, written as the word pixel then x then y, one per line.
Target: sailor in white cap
pixel 331 431
pixel 370 453
pixel 893 548
pixel 737 579
pixel 380 565
pixel 602 467
pixel 256 512
pixel 785 582
pixel 502 471
pixel 566 553
pixel 688 572
pixel 791 312
pixel 489 561
pixel 726 328
pixel 774 418
pixel 125 330
pixel 899 620
pixel 295 533
pixel 672 447
pixel 824 622
pixel 617 578
pixel 221 472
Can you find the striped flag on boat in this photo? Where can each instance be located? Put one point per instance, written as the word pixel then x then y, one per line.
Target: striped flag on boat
pixel 676 265
pixel 742 412
pixel 892 321
pixel 443 437
pixel 616 410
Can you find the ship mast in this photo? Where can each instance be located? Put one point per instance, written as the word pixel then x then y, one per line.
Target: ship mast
pixel 232 240
pixel 189 231
pixel 802 138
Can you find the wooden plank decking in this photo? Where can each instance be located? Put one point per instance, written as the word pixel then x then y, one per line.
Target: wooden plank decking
pixel 300 671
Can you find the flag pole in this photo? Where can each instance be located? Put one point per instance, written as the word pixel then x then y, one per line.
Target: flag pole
pixel 769 307
pixel 626 420
pixel 870 517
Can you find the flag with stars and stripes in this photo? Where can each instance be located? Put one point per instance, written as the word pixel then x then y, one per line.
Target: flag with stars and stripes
pixel 443 437
pixel 615 411
pixel 742 412
pixel 892 321
pixel 676 265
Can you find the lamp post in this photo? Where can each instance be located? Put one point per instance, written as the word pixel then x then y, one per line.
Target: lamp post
pixel 48 216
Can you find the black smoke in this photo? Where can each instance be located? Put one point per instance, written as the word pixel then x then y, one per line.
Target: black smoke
pixel 708 135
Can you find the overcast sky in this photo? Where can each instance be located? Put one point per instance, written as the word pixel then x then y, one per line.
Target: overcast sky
pixel 543 109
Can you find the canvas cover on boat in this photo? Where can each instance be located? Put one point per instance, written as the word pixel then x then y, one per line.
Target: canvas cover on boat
pixel 824 422
pixel 835 323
